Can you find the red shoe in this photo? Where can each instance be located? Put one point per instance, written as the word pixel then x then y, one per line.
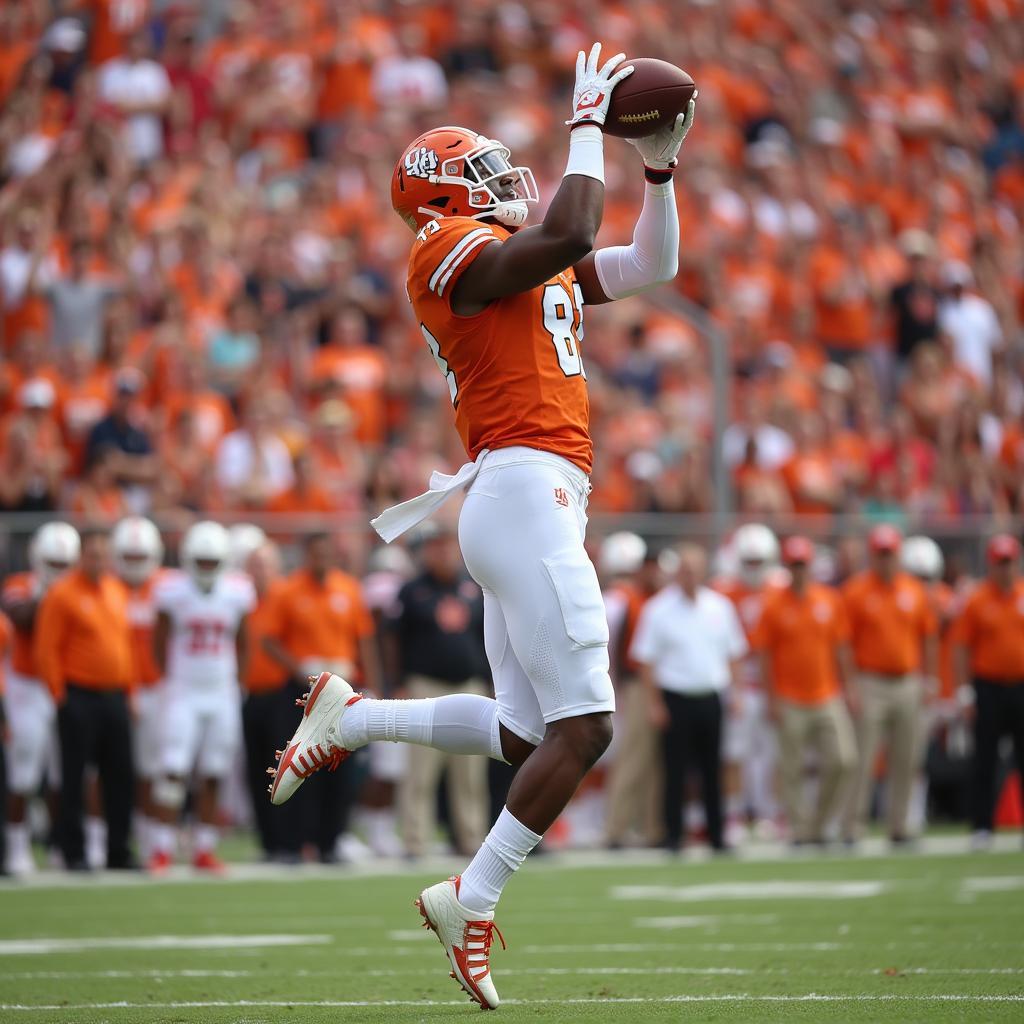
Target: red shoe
pixel 207 860
pixel 160 862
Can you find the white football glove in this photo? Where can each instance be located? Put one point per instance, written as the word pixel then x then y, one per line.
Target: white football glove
pixel 659 150
pixel 594 85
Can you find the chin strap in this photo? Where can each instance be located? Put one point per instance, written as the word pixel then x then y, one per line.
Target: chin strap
pixel 512 214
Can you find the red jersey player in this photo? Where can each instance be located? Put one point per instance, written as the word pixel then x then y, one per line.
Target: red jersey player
pixel 500 306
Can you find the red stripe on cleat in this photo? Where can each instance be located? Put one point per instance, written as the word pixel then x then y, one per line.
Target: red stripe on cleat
pixel 315 692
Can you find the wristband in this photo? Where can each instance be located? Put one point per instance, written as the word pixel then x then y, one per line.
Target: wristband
pixel 586 152
pixel 658 176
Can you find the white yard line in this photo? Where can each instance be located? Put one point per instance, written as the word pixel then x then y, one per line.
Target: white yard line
pixel 741 997
pixel 706 921
pixel 665 947
pixel 270 873
pixel 766 890
pixel 34 947
pixel 992 883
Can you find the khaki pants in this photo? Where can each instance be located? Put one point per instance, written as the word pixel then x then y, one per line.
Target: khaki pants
pixel 827 730
pixel 891 713
pixel 467 783
pixel 635 779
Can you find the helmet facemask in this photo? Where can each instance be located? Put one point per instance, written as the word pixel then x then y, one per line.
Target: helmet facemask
pixel 496 188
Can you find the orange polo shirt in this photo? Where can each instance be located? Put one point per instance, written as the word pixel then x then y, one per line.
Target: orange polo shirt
pixel 800 634
pixel 83 635
pixel 991 627
pixel 888 622
pixel 19 588
pixel 262 673
pixel 314 620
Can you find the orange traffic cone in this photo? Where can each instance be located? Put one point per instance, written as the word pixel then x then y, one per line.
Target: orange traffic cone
pixel 1010 808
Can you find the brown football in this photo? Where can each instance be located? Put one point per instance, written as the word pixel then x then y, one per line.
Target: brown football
pixel 648 99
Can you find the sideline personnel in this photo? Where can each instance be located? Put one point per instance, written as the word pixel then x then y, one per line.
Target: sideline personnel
pixel 83 650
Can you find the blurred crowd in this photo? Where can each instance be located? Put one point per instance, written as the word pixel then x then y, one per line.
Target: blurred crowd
pixel 768 692
pixel 202 283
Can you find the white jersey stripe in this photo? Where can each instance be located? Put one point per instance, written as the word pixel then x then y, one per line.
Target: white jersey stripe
pixel 462 256
pixel 459 246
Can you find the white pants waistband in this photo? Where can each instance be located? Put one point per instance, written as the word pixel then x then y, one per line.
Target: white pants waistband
pixel 395 521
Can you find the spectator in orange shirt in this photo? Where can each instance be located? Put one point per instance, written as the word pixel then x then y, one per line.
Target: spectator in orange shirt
pixel 842 299
pixel 990 640
pixel 98 499
pixel 893 633
pixel 305 494
pixel 83 651
pixel 268 710
pixel 803 636
pixel 32 459
pixel 319 622
pixel 811 474
pixel 349 364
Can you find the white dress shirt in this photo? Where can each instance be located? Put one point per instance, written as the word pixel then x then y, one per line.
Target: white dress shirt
pixel 688 645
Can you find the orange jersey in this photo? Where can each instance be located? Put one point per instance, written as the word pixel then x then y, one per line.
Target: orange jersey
pixel 142 617
pixel 888 622
pixel 514 371
pixel 19 588
pixel 800 633
pixel 991 627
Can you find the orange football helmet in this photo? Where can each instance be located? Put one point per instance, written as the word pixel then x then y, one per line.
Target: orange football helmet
pixel 454 172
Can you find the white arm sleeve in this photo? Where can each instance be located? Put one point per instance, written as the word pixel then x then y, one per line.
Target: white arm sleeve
pixel 653 256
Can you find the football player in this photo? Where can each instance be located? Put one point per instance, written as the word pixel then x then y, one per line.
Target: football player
pixel 138 552
pixel 31 713
pixel 199 644
pixel 500 306
pixel 749 745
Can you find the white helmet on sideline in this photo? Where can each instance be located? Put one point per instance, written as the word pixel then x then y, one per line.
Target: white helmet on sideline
pixel 922 557
pixel 243 540
pixel 621 553
pixel 205 551
pixel 137 549
pixel 757 550
pixel 55 548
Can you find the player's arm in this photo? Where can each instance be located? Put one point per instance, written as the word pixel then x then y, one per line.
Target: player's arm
pixel 161 634
pixel 534 255
pixel 22 612
pixel 652 258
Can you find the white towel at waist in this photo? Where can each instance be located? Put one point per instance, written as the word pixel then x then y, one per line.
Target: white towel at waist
pixel 394 521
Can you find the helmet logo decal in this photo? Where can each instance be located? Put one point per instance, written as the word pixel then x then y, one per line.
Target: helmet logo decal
pixel 420 163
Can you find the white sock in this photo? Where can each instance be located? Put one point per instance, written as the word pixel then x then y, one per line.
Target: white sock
pixel 95 841
pixel 503 851
pixel 205 838
pixel 162 837
pixel 19 841
pixel 459 723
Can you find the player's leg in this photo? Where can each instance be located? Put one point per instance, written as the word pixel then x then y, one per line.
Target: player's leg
pixel 219 742
pixel 146 733
pixel 182 725
pixel 30 722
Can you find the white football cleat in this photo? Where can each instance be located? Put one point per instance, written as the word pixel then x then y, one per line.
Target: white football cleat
pixel 466 938
pixel 315 743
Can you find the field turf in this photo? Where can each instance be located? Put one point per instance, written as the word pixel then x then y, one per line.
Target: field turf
pixel 904 938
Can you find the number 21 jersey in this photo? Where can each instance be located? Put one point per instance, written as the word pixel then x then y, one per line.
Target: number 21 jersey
pixel 514 371
pixel 201 644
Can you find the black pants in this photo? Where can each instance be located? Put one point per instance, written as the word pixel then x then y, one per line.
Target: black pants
pixel 694 734
pixel 999 712
pixel 268 720
pixel 95 728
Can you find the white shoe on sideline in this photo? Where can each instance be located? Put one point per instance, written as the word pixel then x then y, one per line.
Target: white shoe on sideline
pixel 315 743
pixel 466 938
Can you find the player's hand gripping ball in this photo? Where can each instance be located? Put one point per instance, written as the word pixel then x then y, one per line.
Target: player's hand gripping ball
pixel 650 100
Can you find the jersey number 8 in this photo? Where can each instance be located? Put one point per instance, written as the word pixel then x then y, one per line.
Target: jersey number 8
pixel 563 320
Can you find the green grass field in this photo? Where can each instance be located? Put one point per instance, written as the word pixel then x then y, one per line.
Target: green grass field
pixel 907 938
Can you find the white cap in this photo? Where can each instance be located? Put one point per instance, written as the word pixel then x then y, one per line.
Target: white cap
pixel 65 35
pixel 37 393
pixel 922 557
pixel 956 272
